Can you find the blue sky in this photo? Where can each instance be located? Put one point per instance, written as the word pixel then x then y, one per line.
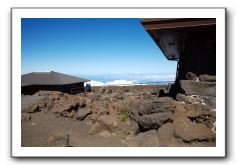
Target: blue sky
pixel 90 46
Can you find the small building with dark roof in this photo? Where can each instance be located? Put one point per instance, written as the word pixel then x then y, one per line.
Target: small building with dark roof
pixel 51 81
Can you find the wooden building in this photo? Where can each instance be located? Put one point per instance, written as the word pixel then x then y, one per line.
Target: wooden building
pixel 51 81
pixel 189 41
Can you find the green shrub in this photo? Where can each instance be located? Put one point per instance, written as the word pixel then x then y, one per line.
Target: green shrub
pixel 123 117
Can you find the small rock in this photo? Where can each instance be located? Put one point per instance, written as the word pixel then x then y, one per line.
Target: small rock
pixel 68 114
pixel 102 90
pixel 82 113
pixel 188 99
pixel 34 108
pixel 207 78
pixel 105 133
pixel 102 111
pixel 198 106
pixel 56 140
pixel 209 100
pixel 191 76
pixel 109 91
pixel 25 117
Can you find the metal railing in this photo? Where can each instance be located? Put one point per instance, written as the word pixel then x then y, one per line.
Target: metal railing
pixel 158 83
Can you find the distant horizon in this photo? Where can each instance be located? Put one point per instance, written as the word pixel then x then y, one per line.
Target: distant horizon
pixel 125 78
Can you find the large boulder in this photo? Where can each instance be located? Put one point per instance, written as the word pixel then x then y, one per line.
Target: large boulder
pixel 110 123
pixel 143 139
pixel 189 131
pixel 166 136
pixel 157 105
pixel 154 121
pixel 198 88
pixel 129 127
pixel 207 78
pixel 152 114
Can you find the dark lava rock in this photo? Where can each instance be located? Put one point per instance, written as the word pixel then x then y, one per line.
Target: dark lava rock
pixel 151 121
pixel 198 88
pixel 151 114
pixel 82 113
pixel 161 104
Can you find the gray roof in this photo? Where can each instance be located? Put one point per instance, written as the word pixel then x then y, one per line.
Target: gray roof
pixel 49 78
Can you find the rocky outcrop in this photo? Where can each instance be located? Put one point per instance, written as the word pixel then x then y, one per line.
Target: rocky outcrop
pixel 136 118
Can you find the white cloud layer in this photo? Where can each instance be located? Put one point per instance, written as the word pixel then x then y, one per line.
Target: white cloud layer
pixel 130 79
pixel 115 82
